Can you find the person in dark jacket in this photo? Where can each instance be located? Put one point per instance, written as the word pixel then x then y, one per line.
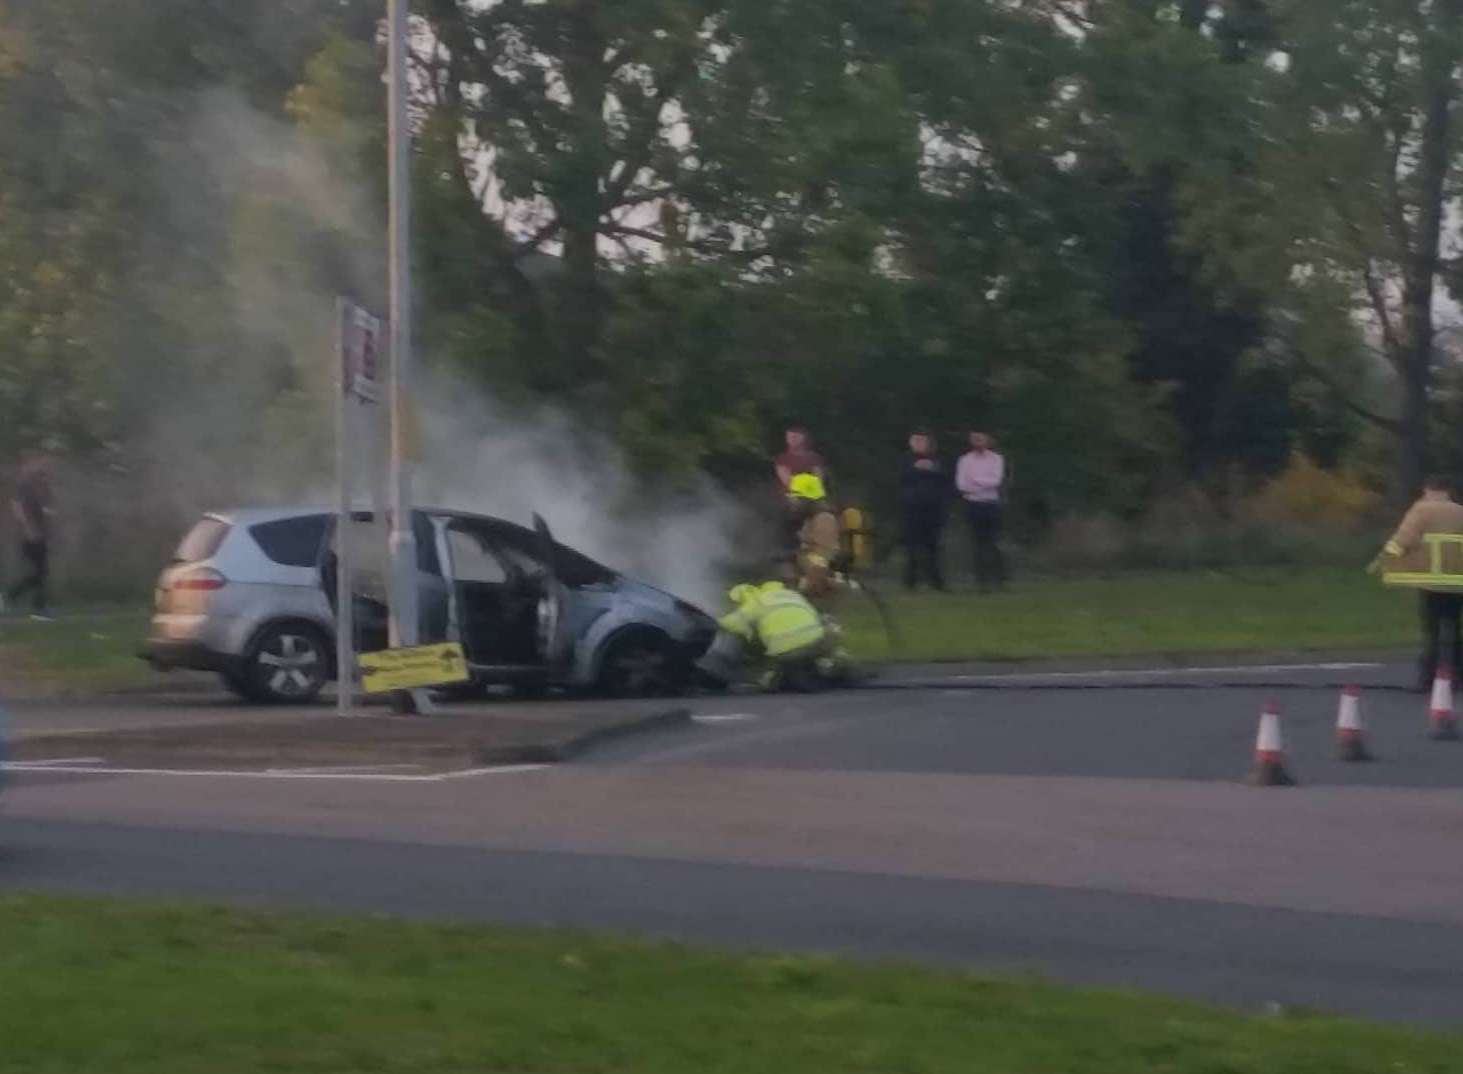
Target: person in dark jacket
pixel 924 501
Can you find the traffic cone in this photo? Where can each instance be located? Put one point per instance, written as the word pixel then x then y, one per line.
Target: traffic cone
pixel 1350 734
pixel 1270 768
pixel 1442 726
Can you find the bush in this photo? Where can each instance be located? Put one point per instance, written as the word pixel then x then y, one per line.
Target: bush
pixel 1308 495
pixel 1306 517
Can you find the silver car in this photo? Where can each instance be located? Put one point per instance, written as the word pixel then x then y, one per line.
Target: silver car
pixel 250 594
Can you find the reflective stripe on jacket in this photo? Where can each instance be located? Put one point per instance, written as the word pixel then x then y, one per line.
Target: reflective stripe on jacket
pixel 1426 552
pixel 778 619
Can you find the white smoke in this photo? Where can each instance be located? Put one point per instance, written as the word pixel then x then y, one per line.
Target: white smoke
pixel 482 459
pixel 283 225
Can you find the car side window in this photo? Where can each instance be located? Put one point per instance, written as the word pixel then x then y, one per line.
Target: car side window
pixel 291 542
pixel 473 561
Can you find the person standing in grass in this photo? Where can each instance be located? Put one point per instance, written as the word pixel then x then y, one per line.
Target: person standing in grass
pixel 798 458
pixel 924 500
pixel 1426 553
pixel 31 508
pixel 980 478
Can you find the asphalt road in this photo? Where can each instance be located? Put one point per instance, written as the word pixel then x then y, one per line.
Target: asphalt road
pixel 1092 828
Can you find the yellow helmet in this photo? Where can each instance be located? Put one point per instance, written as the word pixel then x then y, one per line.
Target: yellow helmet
pixel 807 487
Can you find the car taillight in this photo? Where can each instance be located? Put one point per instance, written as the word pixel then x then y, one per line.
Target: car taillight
pixel 201 581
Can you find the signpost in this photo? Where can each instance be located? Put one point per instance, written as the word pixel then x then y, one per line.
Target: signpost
pixel 403 582
pixel 358 346
pixel 404 669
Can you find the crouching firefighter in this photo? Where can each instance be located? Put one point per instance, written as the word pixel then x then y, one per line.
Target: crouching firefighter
pixel 775 631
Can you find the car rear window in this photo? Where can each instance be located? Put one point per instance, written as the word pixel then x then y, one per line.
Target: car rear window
pixel 292 542
pixel 202 541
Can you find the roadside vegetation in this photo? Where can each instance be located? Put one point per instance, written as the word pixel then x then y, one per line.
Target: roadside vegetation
pixel 1157 613
pixel 1122 614
pixel 89 652
pixel 120 988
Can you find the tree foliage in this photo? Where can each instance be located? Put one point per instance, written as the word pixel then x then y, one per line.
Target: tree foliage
pixel 1144 242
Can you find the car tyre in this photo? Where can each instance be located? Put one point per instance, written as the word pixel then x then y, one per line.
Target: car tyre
pixel 288 664
pixel 643 663
pixel 237 685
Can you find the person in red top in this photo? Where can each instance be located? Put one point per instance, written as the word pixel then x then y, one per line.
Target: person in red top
pixel 799 458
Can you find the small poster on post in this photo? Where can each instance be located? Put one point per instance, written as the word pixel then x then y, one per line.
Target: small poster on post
pixel 360 346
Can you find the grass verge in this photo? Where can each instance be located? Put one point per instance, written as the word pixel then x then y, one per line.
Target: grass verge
pixel 87 652
pixel 1140 614
pixel 1121 615
pixel 119 988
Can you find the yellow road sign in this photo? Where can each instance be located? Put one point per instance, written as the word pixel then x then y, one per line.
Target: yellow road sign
pixel 404 669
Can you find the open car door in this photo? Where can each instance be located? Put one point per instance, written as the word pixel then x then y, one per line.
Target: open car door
pixel 555 640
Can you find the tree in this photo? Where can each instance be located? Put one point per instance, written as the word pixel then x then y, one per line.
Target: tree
pixel 1364 162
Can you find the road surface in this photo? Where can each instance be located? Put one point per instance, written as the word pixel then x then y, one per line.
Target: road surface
pixel 1091 828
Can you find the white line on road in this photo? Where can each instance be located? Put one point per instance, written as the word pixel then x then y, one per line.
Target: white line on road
pixel 322 769
pixel 273 773
pixel 68 760
pixel 725 717
pixel 496 770
pixel 1119 673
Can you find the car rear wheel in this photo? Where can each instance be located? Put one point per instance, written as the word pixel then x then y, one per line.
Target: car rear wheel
pixel 643 663
pixel 237 683
pixel 287 665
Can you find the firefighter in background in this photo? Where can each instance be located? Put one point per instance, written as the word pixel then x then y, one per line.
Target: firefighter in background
pixel 776 630
pixel 820 540
pixel 1426 554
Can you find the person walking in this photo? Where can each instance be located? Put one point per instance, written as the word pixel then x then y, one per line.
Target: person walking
pixel 32 509
pixel 979 478
pixel 1426 553
pixel 924 494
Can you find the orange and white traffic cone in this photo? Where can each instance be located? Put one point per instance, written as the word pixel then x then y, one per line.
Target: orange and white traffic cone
pixel 1442 726
pixel 1270 770
pixel 1350 734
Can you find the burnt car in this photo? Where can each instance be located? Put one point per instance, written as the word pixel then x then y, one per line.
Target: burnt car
pixel 250 594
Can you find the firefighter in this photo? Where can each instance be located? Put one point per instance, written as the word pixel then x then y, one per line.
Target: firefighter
pixel 1426 553
pixel 784 633
pixel 820 539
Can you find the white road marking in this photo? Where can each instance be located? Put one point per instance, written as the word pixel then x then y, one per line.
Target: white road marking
pixel 725 717
pixel 273 773
pixel 496 770
pixel 1119 673
pixel 68 760
pixel 336 768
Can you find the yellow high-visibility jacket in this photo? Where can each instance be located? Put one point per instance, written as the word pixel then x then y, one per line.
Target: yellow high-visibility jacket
pixel 1426 552
pixel 778 619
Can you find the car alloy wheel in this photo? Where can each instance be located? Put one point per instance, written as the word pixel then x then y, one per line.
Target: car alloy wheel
pixel 644 664
pixel 289 665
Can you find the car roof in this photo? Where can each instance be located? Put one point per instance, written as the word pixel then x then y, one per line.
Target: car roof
pixel 250 516
pixel 253 516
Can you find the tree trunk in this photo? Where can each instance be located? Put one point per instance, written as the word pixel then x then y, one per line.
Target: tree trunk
pixel 580 203
pixel 1440 59
pixel 1194 13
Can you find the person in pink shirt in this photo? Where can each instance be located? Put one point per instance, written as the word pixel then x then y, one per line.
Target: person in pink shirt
pixel 980 478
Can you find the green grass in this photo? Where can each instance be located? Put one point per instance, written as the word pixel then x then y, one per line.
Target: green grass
pixel 1140 614
pixel 89 652
pixel 119 988
pixel 1121 615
